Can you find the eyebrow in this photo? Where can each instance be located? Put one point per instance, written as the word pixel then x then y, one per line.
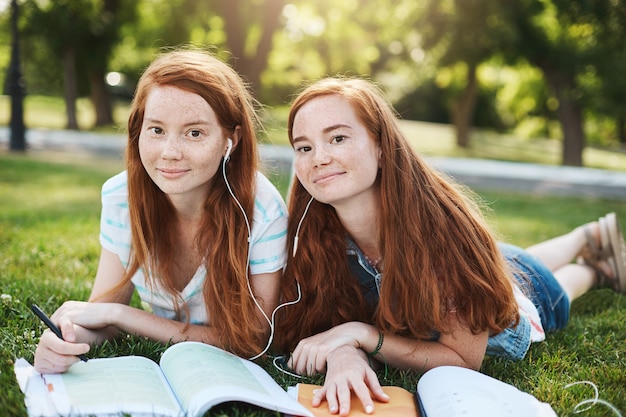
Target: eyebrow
pixel 325 130
pixel 192 123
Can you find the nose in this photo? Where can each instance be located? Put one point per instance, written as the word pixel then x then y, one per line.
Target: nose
pixel 171 148
pixel 321 156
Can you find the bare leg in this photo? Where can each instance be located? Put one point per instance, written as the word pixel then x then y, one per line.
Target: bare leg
pixel 558 253
pixel 575 279
pixel 562 250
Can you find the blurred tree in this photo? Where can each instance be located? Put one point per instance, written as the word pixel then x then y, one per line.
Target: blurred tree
pixel 606 81
pixel 57 28
pixel 429 51
pixel 387 40
pixel 242 32
pixel 568 40
pixel 5 43
pixel 250 28
pixel 158 24
pixel 105 22
pixel 81 35
pixel 557 37
pixel 458 32
pixel 325 37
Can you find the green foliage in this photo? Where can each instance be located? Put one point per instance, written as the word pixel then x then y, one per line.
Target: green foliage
pixel 426 103
pixel 77 33
pixel 5 47
pixel 405 45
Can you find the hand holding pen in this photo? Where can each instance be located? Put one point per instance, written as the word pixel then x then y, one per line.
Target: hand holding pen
pixel 52 326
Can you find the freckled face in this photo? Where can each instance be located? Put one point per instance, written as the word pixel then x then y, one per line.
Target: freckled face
pixel 181 143
pixel 336 158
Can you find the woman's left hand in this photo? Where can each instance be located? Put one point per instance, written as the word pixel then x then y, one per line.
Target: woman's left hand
pixel 311 354
pixel 93 316
pixel 348 371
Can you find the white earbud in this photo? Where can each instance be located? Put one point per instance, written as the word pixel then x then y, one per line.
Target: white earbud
pixel 295 240
pixel 229 148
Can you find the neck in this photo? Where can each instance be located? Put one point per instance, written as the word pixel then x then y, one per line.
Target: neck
pixel 362 225
pixel 188 210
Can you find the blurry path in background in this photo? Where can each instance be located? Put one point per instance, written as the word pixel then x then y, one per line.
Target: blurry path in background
pixel 479 173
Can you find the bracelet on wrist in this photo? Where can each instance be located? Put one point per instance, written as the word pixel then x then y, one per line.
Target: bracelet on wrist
pixel 381 338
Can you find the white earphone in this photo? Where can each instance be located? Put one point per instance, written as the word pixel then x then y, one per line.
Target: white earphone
pixel 229 148
pixel 270 320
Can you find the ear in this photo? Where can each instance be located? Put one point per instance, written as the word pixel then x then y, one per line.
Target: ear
pixel 236 136
pixel 232 142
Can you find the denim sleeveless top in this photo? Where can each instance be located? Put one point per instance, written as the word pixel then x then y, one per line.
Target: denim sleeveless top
pixel 512 343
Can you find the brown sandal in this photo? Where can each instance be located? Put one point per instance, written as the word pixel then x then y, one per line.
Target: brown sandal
pixel 612 232
pixel 612 250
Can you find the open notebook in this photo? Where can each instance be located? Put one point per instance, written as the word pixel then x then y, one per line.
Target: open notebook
pixel 450 391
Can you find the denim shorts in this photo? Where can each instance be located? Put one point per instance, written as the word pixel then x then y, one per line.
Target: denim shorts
pixel 540 286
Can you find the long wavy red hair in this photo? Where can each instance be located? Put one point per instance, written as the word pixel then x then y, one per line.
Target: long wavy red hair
pixel 223 235
pixel 439 253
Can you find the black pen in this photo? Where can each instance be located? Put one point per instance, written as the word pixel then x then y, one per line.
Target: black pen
pixel 51 326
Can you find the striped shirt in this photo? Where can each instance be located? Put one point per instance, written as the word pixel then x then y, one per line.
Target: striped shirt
pixel 267 245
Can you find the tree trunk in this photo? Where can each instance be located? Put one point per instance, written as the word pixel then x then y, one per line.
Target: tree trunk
pixel 250 67
pixel 620 121
pixel 570 116
pixel 100 99
pixel 69 88
pixel 463 108
pixel 271 23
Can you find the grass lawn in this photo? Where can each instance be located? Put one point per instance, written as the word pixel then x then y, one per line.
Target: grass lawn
pixel 49 222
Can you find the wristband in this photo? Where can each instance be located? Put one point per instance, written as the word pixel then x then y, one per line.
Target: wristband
pixel 381 338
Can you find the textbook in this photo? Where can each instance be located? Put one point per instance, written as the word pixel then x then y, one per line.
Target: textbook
pixel 190 379
pixel 401 403
pixel 451 391
pixel 446 391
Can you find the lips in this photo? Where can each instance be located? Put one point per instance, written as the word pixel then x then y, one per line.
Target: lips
pixel 172 173
pixel 326 177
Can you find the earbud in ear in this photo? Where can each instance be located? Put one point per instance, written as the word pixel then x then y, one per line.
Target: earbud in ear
pixel 229 148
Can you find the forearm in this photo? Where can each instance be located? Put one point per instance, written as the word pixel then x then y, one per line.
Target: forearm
pixel 138 322
pixel 397 351
pixel 422 355
pixel 95 336
pixel 459 347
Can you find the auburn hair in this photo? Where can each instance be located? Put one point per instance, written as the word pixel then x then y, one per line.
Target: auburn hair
pixel 223 235
pixel 439 253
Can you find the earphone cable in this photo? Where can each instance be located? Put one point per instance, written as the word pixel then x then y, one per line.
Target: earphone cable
pixel 269 321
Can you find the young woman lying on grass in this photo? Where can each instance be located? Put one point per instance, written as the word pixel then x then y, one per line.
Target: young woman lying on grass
pixel 396 263
pixel 191 224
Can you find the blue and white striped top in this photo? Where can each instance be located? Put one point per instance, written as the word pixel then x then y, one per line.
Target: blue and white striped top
pixel 267 249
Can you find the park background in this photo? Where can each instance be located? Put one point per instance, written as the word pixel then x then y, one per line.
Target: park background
pixel 522 80
pixel 533 68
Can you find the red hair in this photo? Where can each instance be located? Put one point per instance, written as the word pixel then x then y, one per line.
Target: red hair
pixel 222 236
pixel 439 253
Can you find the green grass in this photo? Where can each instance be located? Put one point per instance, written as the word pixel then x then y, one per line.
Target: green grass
pixel 49 222
pixel 49 112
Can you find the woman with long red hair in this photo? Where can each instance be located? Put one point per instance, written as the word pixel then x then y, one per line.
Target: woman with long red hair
pixel 395 262
pixel 191 224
